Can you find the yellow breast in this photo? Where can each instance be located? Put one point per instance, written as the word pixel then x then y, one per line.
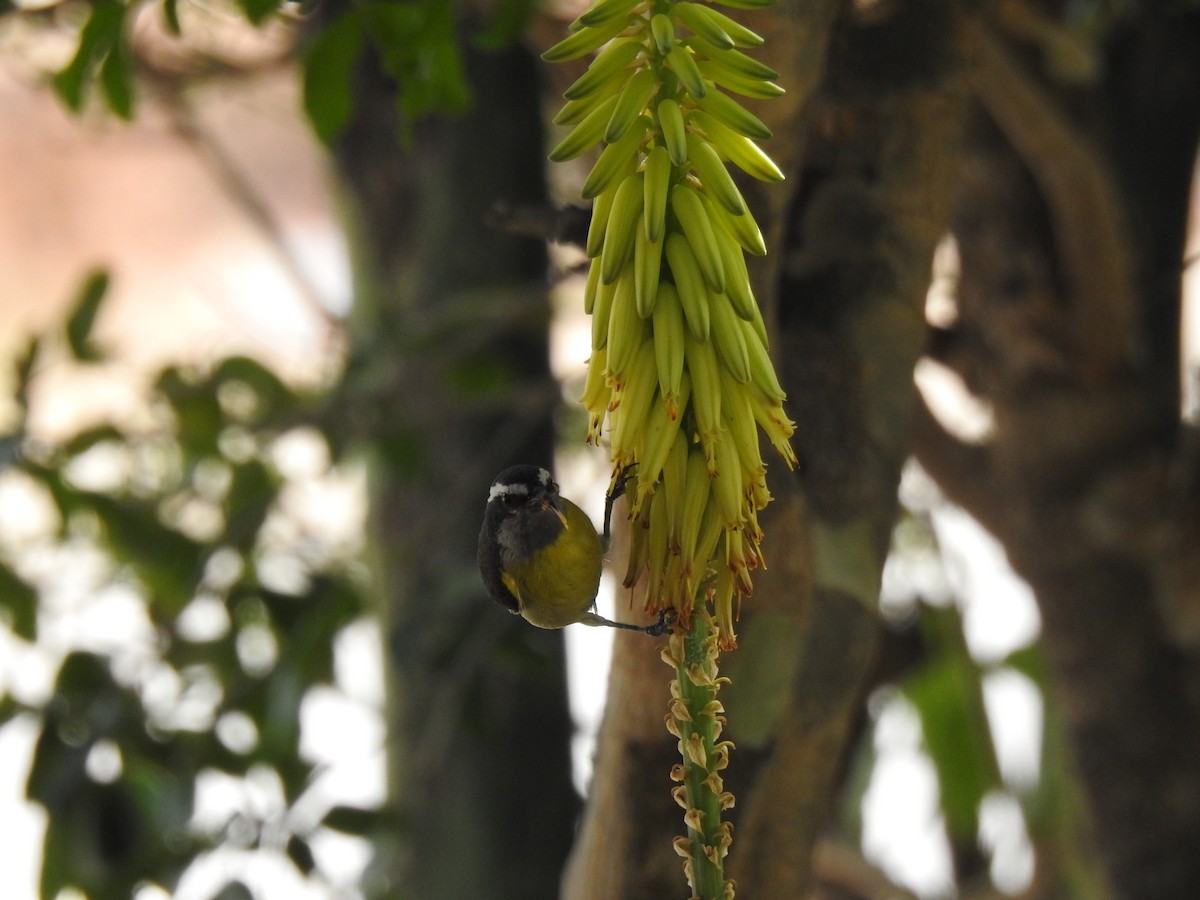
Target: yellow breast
pixel 558 584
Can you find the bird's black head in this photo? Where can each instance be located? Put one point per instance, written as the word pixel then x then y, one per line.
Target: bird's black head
pixel 523 515
pixel 521 487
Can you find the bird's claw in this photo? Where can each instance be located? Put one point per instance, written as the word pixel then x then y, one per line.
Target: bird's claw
pixel 666 620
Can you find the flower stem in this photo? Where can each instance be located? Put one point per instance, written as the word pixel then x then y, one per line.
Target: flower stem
pixel 696 719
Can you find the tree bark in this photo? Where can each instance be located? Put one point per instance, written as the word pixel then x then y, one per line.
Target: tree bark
pixel 446 311
pixel 1081 478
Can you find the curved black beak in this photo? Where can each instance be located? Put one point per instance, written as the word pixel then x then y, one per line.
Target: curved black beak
pixel 549 503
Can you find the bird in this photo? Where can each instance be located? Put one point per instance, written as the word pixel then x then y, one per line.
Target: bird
pixel 540 556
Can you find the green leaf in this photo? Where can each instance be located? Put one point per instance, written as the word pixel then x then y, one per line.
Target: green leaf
pixel 1029 662
pixel 393 29
pixel 24 365
pixel 234 890
pixel 258 10
pixel 352 820
pixel 83 316
pixel 116 81
pixel 247 503
pixel 273 396
pixel 166 562
pixel 948 696
pixel 85 440
pixel 171 17
pixel 197 411
pixel 21 602
pixel 329 67
pixel 453 92
pixel 301 855
pixel 504 26
pixel 99 35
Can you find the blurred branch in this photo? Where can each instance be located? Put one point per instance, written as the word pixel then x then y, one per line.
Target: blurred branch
pixel 841 871
pixel 963 471
pixel 1082 203
pixel 240 190
pixel 561 224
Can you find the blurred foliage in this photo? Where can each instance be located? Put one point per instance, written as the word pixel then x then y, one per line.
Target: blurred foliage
pixel 189 528
pixel 943 684
pixel 188 516
pixel 191 522
pixel 417 42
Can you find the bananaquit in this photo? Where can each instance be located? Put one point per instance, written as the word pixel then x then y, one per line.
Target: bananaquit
pixel 539 554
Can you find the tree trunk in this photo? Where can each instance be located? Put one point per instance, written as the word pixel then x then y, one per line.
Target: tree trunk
pixel 450 378
pixel 1070 234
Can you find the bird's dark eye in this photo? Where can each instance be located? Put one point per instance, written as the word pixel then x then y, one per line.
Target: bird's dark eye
pixel 512 501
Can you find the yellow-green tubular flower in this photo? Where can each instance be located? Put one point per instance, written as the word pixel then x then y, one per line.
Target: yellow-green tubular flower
pixel 601 207
pixel 743 228
pixel 586 134
pixel 596 394
pixel 731 60
pixel 695 499
pixel 739 149
pixel 657 186
pixel 603 72
pixel 775 423
pixel 601 311
pixel 656 532
pixel 762 373
pixel 729 339
pixel 633 99
pixel 689 284
pixel 733 115
pixel 702 366
pixel 674 479
pixel 633 403
pixel 619 231
pixel 759 328
pixel 727 483
pixel 660 434
pixel 586 39
pixel 668 329
pixel 737 32
pixel 738 419
pixel 697 18
pixel 705 548
pixel 626 329
pixel 639 538
pixel 590 288
pixel 714 176
pixel 697 228
pixel 605 11
pixel 757 88
pixel 662 32
pixel 595 386
pixel 673 129
pixel 737 277
pixel 574 111
pixel 647 265
pixel 616 160
pixel 683 64
pixel 680 366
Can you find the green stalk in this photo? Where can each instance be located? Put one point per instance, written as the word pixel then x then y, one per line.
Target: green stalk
pixel 696 719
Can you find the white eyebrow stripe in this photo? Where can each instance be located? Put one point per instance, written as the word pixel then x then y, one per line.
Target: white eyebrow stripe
pixel 544 477
pixel 501 490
